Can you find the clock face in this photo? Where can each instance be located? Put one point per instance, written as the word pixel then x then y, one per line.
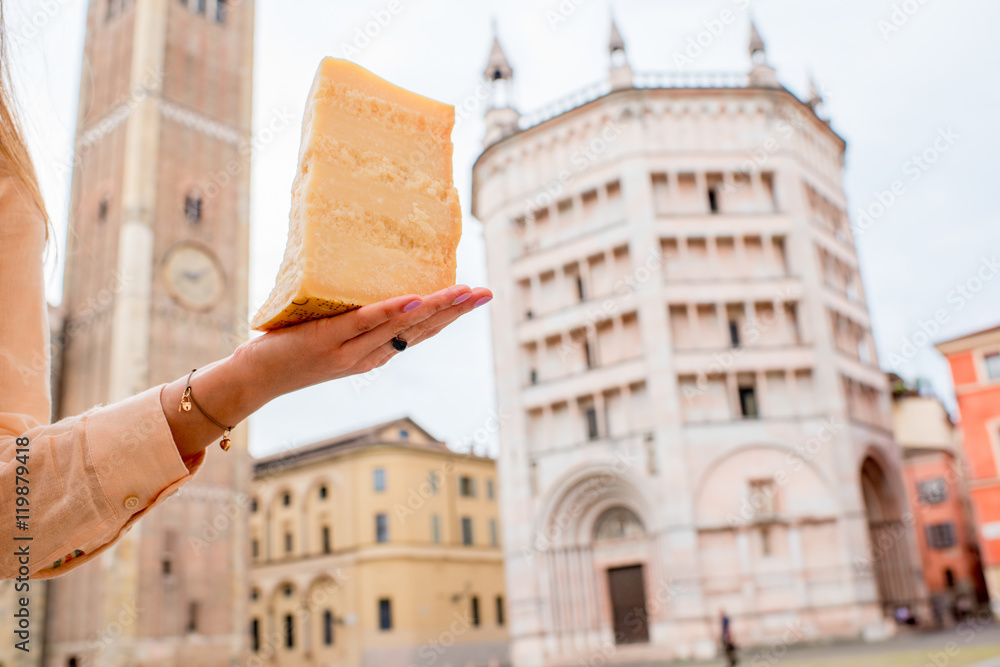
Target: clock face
pixel 194 276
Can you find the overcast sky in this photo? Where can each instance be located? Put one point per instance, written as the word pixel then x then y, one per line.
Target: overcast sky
pixel 896 76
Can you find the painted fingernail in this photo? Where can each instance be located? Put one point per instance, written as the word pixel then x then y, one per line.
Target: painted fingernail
pixel 413 305
pixel 462 299
pixel 482 302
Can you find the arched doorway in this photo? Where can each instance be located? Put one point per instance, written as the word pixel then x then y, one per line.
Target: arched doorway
pixel 887 536
pixel 626 583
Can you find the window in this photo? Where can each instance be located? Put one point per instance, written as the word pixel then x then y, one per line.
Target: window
pixel 111 9
pixel 253 506
pixel 192 624
pixel 255 635
pixel 436 529
pixel 200 6
pixel 254 593
pixel 286 499
pixel 192 207
pixel 72 662
pixel 255 548
pixel 287 591
pixel 466 531
pixel 748 402
pixel 533 376
pixel 466 487
pixel 588 354
pixel 432 481
pixel 734 333
pixel 322 492
pixel 404 434
pixel 381 528
pixel 379 479
pixel 326 539
pixel 590 412
pixel 765 541
pixel 763 498
pixel 932 491
pixel 489 489
pixel 499 603
pixel 941 535
pixel 288 543
pixel 289 631
pixel 102 210
pixel 992 362
pixel 579 289
pixel 713 200
pixel 221 9
pixel 474 611
pixel 493 532
pixel 385 614
pixel 328 628
pixel 166 566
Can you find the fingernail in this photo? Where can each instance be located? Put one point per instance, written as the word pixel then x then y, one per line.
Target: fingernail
pixel 482 302
pixel 461 299
pixel 413 305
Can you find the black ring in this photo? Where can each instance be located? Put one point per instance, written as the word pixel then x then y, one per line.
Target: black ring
pixel 399 344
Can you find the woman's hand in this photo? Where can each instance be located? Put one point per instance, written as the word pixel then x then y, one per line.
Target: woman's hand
pixel 356 342
pixel 292 358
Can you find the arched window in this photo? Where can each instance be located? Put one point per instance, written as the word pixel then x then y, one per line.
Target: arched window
pixel 192 207
pixel 617 523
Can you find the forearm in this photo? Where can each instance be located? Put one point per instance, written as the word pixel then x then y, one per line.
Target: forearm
pixel 226 389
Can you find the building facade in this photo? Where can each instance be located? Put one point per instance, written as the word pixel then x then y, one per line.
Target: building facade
pixel 377 548
pixel 682 340
pixel 975 370
pixel 936 487
pixel 155 285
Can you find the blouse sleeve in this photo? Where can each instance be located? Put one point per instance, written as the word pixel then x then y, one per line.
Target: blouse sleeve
pixel 70 489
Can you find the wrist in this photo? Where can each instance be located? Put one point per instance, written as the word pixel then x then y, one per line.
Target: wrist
pixel 253 373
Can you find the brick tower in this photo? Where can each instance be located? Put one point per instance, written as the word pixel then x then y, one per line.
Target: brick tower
pixel 155 285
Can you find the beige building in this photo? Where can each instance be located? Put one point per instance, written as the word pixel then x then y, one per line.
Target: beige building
pixel 380 547
pixel 682 339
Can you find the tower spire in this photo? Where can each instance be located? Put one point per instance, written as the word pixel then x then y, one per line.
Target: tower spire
pixel 501 116
pixel 762 75
pixel 620 71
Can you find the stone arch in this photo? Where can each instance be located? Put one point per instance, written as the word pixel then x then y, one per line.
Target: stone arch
pixel 795 480
pixel 888 532
pixel 575 502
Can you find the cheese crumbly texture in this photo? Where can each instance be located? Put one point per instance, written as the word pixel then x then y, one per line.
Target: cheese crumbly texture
pixel 375 212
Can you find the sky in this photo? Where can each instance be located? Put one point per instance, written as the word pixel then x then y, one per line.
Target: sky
pixel 910 85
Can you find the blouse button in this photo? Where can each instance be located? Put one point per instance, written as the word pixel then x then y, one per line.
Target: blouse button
pixel 131 502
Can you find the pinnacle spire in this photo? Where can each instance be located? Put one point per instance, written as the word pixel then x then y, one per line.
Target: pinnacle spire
pixel 498 67
pixel 617 43
pixel 756 43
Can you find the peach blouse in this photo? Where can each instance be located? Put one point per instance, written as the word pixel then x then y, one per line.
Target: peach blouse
pixel 80 483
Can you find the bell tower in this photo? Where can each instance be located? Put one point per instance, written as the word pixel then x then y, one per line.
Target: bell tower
pixel 155 285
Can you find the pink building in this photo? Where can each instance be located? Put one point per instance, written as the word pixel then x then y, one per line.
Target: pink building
pixel 682 340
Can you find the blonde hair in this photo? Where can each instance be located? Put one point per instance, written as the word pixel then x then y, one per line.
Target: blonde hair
pixel 12 146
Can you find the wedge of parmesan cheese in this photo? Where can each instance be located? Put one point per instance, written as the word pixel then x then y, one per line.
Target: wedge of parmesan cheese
pixel 375 213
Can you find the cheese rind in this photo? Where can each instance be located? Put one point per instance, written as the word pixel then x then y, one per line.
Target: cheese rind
pixel 374 211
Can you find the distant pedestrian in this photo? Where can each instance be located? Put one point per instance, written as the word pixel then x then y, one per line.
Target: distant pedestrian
pixel 728 645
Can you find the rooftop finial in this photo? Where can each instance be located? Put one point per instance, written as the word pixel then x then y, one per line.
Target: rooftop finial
pixel 815 96
pixel 497 67
pixel 621 73
pixel 617 43
pixel 758 55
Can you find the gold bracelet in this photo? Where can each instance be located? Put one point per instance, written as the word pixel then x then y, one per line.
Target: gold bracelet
pixel 187 400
